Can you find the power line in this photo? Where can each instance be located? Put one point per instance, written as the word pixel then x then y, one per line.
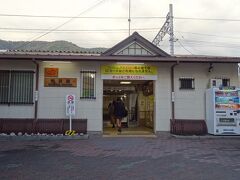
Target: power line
pixel 9 29
pixel 83 17
pixel 206 19
pixel 61 17
pixel 212 44
pixel 203 34
pixel 73 30
pixel 38 37
pixel 203 42
pixel 116 17
pixel 184 47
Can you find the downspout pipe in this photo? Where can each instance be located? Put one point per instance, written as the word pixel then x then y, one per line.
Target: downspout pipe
pixel 36 93
pixel 172 90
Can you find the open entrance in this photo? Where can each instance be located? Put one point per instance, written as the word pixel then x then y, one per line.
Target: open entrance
pixel 138 97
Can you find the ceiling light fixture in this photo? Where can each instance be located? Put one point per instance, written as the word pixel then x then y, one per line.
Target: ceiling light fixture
pixel 59 62
pixel 125 82
pixel 129 63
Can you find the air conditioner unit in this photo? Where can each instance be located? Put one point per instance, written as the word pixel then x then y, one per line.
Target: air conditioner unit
pixel 215 83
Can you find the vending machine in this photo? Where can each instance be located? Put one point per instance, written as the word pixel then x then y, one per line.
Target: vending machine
pixel 222 111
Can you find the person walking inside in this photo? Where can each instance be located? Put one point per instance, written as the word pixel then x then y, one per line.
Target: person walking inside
pixel 119 112
pixel 111 113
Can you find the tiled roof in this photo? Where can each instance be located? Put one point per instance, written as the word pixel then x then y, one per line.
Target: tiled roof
pixel 42 52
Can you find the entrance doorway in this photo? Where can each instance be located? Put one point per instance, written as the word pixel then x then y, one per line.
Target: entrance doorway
pixel 138 97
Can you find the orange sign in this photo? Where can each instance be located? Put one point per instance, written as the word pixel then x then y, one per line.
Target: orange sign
pixel 51 72
pixel 60 82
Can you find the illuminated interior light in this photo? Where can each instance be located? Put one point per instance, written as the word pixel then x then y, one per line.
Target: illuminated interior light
pixel 92 75
pixel 125 82
pixel 59 62
pixel 129 63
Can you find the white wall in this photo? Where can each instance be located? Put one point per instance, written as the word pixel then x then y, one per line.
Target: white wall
pixel 189 104
pixel 16 111
pixel 163 98
pixel 52 99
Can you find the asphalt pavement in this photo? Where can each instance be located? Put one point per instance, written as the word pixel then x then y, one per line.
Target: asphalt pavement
pixel 101 158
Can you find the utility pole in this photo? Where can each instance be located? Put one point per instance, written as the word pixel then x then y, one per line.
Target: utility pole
pixel 167 28
pixel 129 17
pixel 171 40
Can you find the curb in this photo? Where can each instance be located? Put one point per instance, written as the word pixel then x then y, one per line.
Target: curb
pixel 44 138
pixel 206 137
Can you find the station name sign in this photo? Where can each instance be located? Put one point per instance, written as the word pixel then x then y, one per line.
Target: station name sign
pixel 129 72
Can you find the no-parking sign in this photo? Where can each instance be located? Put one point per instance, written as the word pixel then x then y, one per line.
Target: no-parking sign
pixel 70 105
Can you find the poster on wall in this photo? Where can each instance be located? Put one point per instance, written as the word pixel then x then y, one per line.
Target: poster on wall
pixel 129 72
pixel 60 82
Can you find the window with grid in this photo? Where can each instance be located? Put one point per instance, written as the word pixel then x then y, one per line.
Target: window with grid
pixel 225 82
pixel 16 87
pixel 187 83
pixel 88 84
pixel 135 49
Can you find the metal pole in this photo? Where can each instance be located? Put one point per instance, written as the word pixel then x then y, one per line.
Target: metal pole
pixel 129 17
pixel 70 122
pixel 171 40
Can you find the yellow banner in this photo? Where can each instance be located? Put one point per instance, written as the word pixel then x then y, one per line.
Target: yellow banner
pixel 128 69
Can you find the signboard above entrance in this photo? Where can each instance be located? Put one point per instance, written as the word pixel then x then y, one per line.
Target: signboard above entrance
pixel 129 72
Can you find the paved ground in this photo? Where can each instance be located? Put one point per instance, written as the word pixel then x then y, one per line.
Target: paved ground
pixel 99 158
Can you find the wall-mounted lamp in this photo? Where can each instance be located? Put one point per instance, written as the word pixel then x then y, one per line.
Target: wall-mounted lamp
pixel 210 69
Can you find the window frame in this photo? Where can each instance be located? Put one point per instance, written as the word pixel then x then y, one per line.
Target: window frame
pixel 19 89
pixel 184 87
pixel 90 84
pixel 133 46
pixel 227 81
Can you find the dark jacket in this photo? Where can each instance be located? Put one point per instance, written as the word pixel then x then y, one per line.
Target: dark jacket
pixel 119 109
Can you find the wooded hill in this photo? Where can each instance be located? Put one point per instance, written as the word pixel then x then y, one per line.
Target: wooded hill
pixel 47 46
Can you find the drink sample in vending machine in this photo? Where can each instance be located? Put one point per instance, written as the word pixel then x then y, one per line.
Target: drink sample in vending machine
pixel 222 111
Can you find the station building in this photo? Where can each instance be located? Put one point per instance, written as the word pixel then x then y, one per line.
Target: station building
pixel 161 92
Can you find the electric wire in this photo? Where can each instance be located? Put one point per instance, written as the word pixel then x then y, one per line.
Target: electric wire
pixel 38 37
pixel 116 17
pixel 56 30
pixel 206 19
pixel 203 34
pixel 74 30
pixel 184 47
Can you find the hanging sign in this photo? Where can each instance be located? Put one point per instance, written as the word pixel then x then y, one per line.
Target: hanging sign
pixel 129 72
pixel 70 105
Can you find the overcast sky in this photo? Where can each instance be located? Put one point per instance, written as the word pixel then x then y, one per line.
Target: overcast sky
pixel 198 37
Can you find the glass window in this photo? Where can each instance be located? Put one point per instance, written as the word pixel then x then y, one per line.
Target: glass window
pixel 88 85
pixel 16 87
pixel 144 52
pixel 138 51
pixel 132 51
pixel 225 82
pixel 125 52
pixel 187 83
pixel 135 49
